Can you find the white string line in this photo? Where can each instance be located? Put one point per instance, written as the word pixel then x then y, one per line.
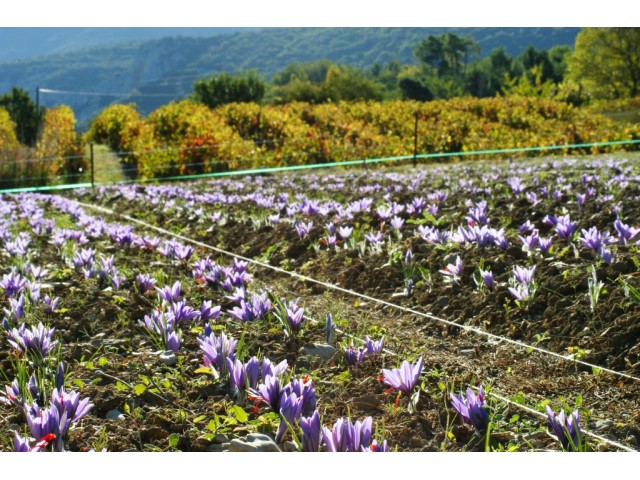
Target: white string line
pixel 504 399
pixel 361 295
pixel 302 277
pixel 540 414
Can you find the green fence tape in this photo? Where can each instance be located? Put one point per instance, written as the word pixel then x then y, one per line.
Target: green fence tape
pixel 46 188
pixel 362 162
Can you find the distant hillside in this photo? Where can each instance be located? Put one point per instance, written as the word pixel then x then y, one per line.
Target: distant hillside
pixel 20 43
pixel 165 69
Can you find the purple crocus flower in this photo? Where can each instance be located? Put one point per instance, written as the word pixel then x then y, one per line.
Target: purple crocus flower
pixel 397 223
pixel 48 425
pixel 354 356
pixel 21 444
pixel 625 232
pixel 182 313
pixel 487 278
pixel 207 312
pixel 567 429
pixel 347 437
pixel 172 342
pixel 345 232
pixel 13 395
pixel 544 244
pixel 70 403
pixel 376 447
pixel 374 347
pixel 37 339
pixel 471 409
pixel 290 409
pixel 170 294
pixel 303 229
pixel 50 305
pixel 521 292
pixel 564 227
pixel 252 372
pixel 269 391
pixel 237 374
pixel 404 378
pixel 294 315
pixel 311 432
pixel 453 270
pixel 524 275
pixel 144 283
pixel 12 283
pixel 217 349
pixel 373 238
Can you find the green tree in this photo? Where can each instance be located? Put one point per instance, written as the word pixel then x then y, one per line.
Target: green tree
pixel 606 62
pixel 23 113
pixel 225 88
pixel 446 54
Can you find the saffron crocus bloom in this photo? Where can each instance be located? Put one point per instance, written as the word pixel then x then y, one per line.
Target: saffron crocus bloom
pixel 353 356
pixel 453 270
pixel 270 392
pixel 290 409
pixel 170 294
pixel 48 424
pixel 217 349
pixel 50 305
pixel 303 229
pixel 37 339
pixel 295 315
pixel 311 432
pixel 376 447
pixel 345 232
pixel 345 437
pixel 567 429
pixel 374 347
pixel 625 232
pixel 237 374
pixel 70 403
pixel 145 283
pixel 252 372
pixel 397 223
pixel 471 409
pixel 487 278
pixel 373 238
pixel 404 378
pixel 524 275
pixel 207 312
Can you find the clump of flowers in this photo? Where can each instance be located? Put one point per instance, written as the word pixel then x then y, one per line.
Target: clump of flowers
pixel 471 409
pixel 347 437
pixel 567 429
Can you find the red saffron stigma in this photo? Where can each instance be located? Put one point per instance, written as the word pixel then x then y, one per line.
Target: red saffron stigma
pixel 388 390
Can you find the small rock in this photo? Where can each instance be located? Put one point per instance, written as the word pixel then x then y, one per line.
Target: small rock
pixel 115 414
pixel 289 447
pixel 256 442
pixel 322 351
pixel 602 424
pixel 221 438
pixel 168 358
pixel 469 352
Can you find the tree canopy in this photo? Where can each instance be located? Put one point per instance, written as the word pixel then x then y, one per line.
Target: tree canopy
pixel 606 62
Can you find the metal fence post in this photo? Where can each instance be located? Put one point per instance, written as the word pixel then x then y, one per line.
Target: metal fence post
pixel 415 140
pixel 93 184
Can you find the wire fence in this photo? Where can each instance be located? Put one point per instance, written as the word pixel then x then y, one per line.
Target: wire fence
pixel 20 172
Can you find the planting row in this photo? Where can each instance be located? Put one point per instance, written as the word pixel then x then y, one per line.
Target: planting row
pixel 168 348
